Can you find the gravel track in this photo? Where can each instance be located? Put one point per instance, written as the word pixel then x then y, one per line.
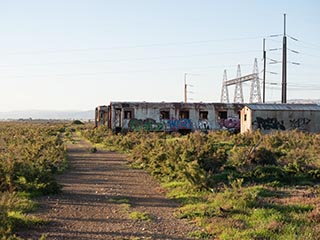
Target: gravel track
pixel 99 193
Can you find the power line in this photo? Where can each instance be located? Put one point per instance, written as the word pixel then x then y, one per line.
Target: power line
pixel 303 45
pixel 138 59
pixel 312 44
pixel 117 72
pixel 151 45
pixel 310 55
pixel 298 85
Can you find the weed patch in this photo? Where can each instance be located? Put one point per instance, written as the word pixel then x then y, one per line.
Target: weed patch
pixel 119 200
pixel 140 216
pixel 31 155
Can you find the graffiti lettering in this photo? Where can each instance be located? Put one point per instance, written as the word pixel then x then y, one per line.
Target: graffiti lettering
pixel 148 124
pixel 231 124
pixel 178 124
pixel 300 123
pixel 268 124
pixel 204 125
pixel 151 125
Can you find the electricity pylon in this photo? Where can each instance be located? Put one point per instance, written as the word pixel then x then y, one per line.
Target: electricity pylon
pixel 255 93
pixel 224 91
pixel 238 92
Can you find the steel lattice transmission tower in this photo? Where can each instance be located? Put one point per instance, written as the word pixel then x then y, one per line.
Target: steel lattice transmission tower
pixel 255 93
pixel 224 90
pixel 238 92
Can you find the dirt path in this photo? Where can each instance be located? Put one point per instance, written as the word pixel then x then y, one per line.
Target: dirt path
pixel 99 193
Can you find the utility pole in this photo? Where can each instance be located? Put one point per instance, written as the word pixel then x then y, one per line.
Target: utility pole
pixel 284 65
pixel 185 87
pixel 264 72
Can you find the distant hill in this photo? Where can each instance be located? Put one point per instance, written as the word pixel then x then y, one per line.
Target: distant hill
pixel 299 101
pixel 304 101
pixel 45 114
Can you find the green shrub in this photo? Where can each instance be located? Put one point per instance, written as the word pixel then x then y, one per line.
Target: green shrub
pixel 267 174
pixel 31 154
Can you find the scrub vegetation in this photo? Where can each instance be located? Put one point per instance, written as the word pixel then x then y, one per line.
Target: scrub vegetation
pixel 30 155
pixel 250 186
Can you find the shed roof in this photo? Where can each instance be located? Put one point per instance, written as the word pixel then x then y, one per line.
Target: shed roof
pixel 284 107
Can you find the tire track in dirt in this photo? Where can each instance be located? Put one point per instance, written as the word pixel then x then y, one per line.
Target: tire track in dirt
pixel 99 191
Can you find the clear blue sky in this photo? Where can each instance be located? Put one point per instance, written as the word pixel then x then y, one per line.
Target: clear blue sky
pixel 77 54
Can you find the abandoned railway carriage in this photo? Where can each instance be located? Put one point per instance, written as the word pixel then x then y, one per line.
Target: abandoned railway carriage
pixel 169 117
pixel 101 115
pixel 270 117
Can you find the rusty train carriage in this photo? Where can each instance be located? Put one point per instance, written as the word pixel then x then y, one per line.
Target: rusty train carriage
pixel 168 117
pixel 101 115
pixel 186 117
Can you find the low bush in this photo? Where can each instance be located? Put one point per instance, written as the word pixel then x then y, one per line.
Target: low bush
pixel 77 122
pixel 30 156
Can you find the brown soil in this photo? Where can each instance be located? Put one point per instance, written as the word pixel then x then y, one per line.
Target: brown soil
pixel 99 193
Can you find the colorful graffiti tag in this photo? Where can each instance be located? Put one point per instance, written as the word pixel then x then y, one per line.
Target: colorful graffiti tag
pixel 148 124
pixel 170 125
pixel 178 124
pixel 231 124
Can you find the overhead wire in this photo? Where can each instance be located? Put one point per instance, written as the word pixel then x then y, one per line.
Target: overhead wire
pixel 132 46
pixel 138 59
pixel 159 57
pixel 117 72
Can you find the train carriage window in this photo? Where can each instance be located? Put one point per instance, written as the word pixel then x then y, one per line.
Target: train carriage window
pixel 184 114
pixel 164 114
pixel 203 115
pixel 128 114
pixel 223 115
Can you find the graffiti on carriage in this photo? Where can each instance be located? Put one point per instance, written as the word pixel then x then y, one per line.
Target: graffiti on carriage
pixel 204 125
pixel 152 125
pixel 178 124
pixel 231 124
pixel 148 124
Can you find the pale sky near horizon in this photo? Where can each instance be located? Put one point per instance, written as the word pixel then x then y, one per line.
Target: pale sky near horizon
pixel 78 54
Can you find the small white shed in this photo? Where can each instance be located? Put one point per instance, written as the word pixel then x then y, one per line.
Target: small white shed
pixel 271 117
